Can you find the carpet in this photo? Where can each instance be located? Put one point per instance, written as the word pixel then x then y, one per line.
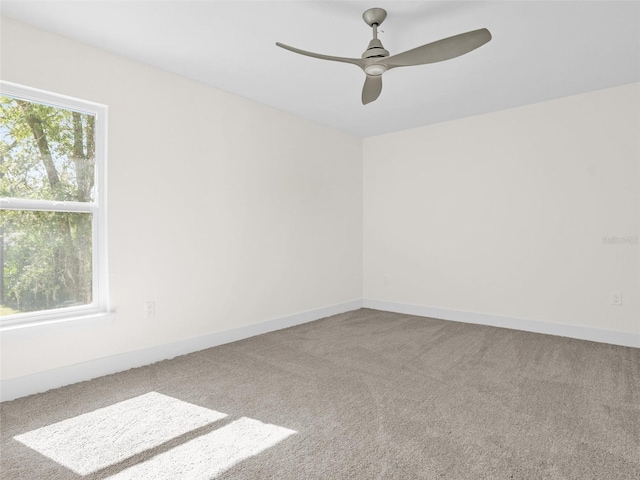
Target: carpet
pixel 361 395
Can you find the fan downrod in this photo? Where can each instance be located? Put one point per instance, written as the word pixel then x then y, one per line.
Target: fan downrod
pixel 374 16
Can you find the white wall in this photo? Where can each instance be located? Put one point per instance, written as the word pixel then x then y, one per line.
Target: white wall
pixel 504 213
pixel 223 211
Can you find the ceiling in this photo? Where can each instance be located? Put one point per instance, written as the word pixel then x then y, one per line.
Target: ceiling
pixel 539 51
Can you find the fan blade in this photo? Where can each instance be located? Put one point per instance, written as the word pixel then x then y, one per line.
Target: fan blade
pixel 372 88
pixel 356 61
pixel 444 49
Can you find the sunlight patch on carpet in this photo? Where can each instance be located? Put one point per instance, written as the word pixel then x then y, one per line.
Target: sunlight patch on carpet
pixel 107 436
pixel 206 456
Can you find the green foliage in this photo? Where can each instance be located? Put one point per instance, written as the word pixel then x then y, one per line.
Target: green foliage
pixel 46 153
pixel 32 135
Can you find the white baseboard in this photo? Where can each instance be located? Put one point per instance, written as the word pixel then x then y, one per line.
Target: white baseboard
pixel 626 339
pixel 40 382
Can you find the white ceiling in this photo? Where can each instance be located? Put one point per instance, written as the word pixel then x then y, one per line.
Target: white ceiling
pixel 540 51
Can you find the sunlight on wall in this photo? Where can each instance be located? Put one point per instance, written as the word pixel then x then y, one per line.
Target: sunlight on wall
pixel 108 436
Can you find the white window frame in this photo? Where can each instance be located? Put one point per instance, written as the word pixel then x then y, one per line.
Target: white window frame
pixel 100 298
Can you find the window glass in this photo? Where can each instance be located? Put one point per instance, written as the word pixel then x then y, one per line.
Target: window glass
pixel 47 152
pixel 47 259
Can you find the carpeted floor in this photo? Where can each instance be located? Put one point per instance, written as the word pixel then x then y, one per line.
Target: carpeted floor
pixel 362 395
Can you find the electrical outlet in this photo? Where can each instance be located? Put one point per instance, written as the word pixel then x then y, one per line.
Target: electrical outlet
pixel 616 298
pixel 149 309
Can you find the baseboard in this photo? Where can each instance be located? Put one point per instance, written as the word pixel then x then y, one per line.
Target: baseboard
pixel 40 382
pixel 626 339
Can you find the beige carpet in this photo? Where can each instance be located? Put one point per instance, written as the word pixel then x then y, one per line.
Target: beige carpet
pixel 362 395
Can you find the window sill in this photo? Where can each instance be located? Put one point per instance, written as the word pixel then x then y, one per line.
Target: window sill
pixel 53 325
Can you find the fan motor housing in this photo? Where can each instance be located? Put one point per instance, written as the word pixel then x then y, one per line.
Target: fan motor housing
pixel 375 49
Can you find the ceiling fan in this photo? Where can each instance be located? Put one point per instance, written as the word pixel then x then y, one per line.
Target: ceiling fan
pixel 376 60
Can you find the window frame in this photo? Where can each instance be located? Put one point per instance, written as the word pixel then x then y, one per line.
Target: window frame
pixel 98 209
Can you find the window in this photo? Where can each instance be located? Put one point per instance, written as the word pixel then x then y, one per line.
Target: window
pixel 52 206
